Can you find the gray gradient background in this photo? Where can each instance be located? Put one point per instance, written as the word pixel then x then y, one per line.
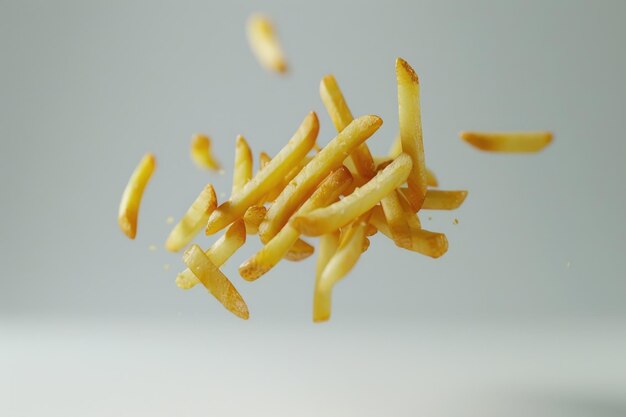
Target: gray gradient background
pixel 88 87
pixel 524 316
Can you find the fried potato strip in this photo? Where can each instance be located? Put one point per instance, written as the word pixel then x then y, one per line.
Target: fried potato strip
pixel 131 197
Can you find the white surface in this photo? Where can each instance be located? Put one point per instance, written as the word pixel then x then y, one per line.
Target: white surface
pixel 190 367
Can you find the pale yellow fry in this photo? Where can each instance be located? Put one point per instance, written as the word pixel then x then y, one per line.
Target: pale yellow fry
pixel 131 197
pixel 431 178
pixel 271 196
pixel 343 260
pixel 242 172
pixel 411 130
pixel 322 296
pixel 299 251
pixel 396 219
pixel 193 221
pixel 267 178
pixel 326 219
pixel 444 200
pixel 514 142
pixel 341 116
pixel 264 159
pixel 422 241
pixel 264 44
pixel 218 253
pixel 396 147
pixel 201 152
pixel 253 218
pixel 303 185
pixel 284 241
pixel 411 217
pixel 215 281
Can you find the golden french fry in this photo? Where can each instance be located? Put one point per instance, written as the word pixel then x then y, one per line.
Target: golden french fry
pixel 514 142
pixel 444 200
pixel 411 217
pixel 193 221
pixel 265 259
pixel 422 241
pixel 267 178
pixel 411 130
pixel 218 253
pixel 366 244
pixel 131 197
pixel 341 116
pixel 243 164
pixel 396 219
pixel 396 147
pixel 431 178
pixel 201 152
pixel 342 261
pixel 271 196
pixel 253 218
pixel 321 297
pixel 326 219
pixel 264 159
pixel 371 230
pixel 264 44
pixel 302 186
pixel 215 281
pixel 299 251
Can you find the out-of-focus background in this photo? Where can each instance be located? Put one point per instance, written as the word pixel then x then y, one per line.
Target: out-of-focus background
pixel 524 314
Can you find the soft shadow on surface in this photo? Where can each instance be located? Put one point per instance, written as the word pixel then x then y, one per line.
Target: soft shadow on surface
pixel 571 404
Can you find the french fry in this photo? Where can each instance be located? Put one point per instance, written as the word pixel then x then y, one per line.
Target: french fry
pixel 326 219
pixel 201 152
pixel 422 241
pixel 193 221
pixel 371 230
pixel 243 164
pixel 271 196
pixel 321 297
pixel 512 142
pixel 396 219
pixel 302 186
pixel 444 200
pixel 253 218
pixel 341 116
pixel 299 251
pixel 396 147
pixel 366 244
pixel 215 281
pixel 131 197
pixel 267 178
pixel 411 130
pixel 431 178
pixel 342 261
pixel 411 217
pixel 218 253
pixel 264 159
pixel 265 259
pixel 265 45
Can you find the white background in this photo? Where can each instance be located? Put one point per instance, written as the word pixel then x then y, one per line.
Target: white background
pixel 86 88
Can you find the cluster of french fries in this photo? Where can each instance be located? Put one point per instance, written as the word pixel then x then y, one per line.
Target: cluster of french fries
pixel 342 194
